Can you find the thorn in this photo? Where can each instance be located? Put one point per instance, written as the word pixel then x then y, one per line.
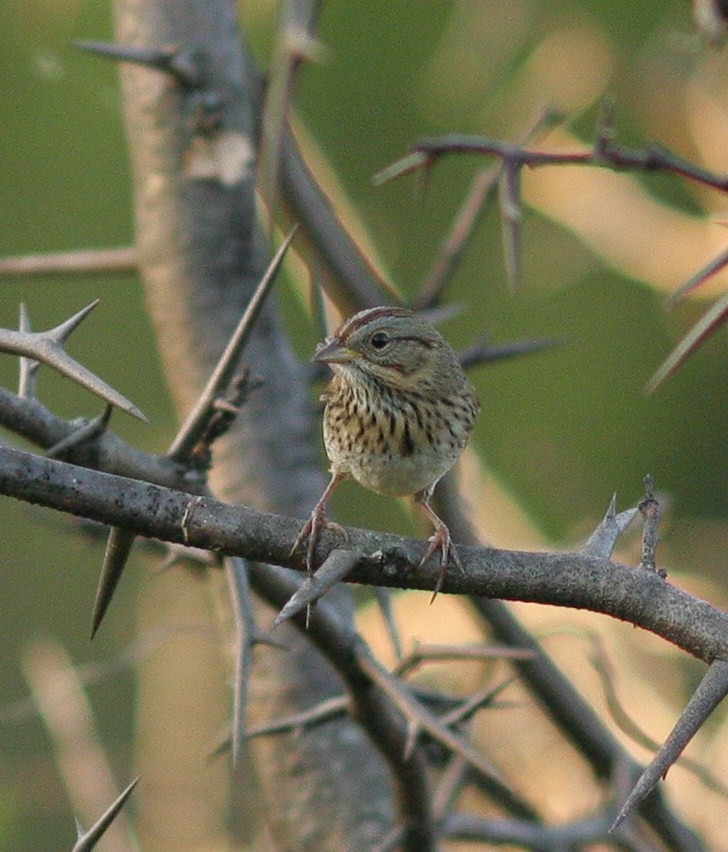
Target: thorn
pixel 510 204
pixel 87 840
pixel 696 280
pixel 176 60
pixel 87 432
pixel 47 347
pixel 62 332
pixel 409 163
pixel 481 353
pixel 710 692
pixel 605 127
pixel 118 548
pixel 601 542
pixel 304 47
pixel 336 566
pixel 413 732
pixel 222 374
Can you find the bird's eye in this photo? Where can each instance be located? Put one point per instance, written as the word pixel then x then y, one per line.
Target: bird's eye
pixel 379 340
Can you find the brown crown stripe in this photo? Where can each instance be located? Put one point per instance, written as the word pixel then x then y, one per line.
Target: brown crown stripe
pixel 370 315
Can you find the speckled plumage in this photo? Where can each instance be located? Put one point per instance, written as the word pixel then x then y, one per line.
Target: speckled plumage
pixel 396 420
pixel 398 413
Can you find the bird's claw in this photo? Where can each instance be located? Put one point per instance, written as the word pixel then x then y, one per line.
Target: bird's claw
pixel 442 540
pixel 311 531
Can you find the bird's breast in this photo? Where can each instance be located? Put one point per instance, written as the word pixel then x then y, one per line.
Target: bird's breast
pixel 393 443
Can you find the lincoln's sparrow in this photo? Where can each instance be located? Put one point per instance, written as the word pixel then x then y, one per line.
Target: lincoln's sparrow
pixel 399 412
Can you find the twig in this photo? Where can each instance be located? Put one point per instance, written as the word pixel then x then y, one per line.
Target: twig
pixel 650 509
pixel 84 262
pixel 652 158
pixel 247 635
pixel 554 692
pixel 526 834
pixel 446 653
pixel 350 279
pixel 106 451
pixel 322 712
pixel 482 188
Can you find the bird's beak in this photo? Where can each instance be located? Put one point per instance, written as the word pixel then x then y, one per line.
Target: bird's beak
pixel 333 352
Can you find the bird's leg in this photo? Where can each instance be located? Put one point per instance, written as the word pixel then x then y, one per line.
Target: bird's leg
pixel 316 522
pixel 441 540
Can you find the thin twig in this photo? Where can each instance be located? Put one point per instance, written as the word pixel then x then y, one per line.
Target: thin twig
pixel 652 158
pixel 650 508
pixel 84 262
pixel 447 653
pixel 418 715
pixel 247 635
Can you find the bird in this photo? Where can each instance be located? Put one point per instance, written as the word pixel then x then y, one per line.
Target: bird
pixel 398 413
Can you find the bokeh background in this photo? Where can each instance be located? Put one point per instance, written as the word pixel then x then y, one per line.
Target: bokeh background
pixel 560 431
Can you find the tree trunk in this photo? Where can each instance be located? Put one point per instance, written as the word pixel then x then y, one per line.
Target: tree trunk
pixel 201 256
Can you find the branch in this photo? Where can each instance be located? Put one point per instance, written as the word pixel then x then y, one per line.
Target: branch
pixel 562 579
pixel 604 154
pixel 33 421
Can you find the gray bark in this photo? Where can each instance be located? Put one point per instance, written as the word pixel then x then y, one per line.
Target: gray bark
pixel 200 257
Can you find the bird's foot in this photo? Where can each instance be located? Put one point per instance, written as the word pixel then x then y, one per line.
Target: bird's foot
pixel 442 540
pixel 311 531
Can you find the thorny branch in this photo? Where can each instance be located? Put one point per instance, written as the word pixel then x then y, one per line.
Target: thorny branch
pixel 406 547
pixel 636 595
pixel 564 579
pixel 604 153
